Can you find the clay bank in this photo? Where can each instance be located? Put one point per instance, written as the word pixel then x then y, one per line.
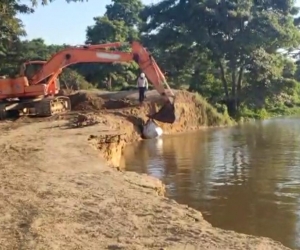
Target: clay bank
pixel 59 191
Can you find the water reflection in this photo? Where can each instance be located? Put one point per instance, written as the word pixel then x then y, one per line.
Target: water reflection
pixel 244 178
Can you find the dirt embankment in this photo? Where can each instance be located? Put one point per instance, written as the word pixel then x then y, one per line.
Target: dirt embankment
pixel 56 193
pixel 124 113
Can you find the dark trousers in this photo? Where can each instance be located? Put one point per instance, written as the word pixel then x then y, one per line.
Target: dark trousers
pixel 142 94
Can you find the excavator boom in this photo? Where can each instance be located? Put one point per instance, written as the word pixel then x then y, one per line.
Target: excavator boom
pixel 44 80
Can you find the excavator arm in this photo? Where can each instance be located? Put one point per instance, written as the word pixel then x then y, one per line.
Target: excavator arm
pixel 99 53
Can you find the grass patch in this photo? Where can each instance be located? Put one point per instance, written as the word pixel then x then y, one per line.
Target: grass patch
pixel 246 114
pixel 211 116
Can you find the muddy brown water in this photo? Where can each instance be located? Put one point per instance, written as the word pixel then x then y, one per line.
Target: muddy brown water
pixel 245 178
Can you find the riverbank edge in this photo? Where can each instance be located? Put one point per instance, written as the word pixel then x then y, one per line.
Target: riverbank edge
pixel 113 152
pixel 194 114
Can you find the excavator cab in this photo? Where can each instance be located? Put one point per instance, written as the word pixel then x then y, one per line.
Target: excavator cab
pixel 30 68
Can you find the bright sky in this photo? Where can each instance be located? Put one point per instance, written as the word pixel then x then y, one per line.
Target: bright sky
pixel 60 22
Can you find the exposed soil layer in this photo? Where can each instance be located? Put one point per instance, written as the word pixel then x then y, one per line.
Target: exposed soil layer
pixel 57 192
pixel 92 101
pixel 82 101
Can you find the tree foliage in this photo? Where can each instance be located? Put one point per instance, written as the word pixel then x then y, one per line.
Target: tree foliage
pixel 127 11
pixel 119 24
pixel 72 80
pixel 241 37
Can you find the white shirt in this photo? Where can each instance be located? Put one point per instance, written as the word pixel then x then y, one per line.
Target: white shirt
pixel 142 82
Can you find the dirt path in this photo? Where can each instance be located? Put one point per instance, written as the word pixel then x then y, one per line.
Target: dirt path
pixel 57 193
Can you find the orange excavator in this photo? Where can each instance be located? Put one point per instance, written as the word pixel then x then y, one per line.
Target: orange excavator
pixel 36 89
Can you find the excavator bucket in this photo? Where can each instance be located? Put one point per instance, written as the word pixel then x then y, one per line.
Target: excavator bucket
pixel 166 114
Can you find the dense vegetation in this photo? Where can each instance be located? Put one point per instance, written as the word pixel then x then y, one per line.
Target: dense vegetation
pixel 235 53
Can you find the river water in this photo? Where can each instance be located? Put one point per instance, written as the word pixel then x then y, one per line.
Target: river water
pixel 244 178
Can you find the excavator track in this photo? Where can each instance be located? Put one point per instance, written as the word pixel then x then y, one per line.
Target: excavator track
pixel 3 112
pixel 52 105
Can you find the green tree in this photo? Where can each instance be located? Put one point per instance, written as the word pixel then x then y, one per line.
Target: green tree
pixel 270 82
pixel 70 79
pixel 125 10
pixel 238 34
pixel 117 25
pixel 11 29
pixel 21 51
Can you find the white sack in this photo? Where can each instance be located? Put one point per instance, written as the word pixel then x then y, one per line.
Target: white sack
pixel 151 130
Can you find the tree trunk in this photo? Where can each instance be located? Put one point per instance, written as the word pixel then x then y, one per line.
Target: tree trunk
pixel 225 85
pixel 239 85
pixel 233 90
pixel 109 82
pixel 230 100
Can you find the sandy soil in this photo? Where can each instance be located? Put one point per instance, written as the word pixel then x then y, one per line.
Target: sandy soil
pixel 57 192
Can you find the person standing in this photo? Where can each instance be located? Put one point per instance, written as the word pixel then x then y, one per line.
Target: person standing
pixel 142 84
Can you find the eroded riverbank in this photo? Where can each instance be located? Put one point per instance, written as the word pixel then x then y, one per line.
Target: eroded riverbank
pixel 245 173
pixel 57 193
